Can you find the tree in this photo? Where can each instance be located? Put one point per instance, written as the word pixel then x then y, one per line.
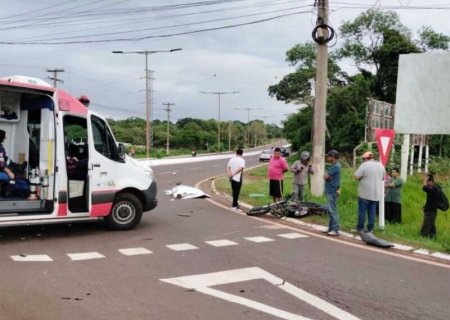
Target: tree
pixel 364 35
pixel 430 40
pixel 297 87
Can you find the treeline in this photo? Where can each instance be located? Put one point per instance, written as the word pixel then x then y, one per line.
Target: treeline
pixel 372 43
pixel 188 133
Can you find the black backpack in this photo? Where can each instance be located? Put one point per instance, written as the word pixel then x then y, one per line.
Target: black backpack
pixel 443 200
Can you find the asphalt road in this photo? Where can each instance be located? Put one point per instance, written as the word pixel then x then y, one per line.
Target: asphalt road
pixel 192 259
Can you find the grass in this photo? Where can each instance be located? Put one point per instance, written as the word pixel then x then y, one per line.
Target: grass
pixel 256 187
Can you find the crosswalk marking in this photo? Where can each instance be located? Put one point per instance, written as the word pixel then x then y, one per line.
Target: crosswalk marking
pixel 144 251
pixel 221 243
pixel 134 251
pixel 293 235
pixel 85 256
pixel 259 239
pixel 33 257
pixel 181 247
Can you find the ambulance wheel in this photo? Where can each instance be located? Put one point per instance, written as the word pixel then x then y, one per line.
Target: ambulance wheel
pixel 125 213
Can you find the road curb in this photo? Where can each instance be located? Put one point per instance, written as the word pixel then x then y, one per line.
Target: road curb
pixel 219 199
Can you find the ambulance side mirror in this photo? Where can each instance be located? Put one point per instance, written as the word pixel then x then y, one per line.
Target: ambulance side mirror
pixel 121 152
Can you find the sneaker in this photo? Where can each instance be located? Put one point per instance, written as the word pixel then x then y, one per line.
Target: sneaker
pixel 333 233
pixel 236 208
pixel 325 231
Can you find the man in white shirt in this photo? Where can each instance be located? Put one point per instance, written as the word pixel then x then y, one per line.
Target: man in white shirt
pixel 235 169
pixel 371 175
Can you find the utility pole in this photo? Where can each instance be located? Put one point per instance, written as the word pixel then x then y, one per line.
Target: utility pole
pixel 321 37
pixel 55 76
pixel 146 53
pixel 168 104
pixel 248 123
pixel 219 93
pixel 149 88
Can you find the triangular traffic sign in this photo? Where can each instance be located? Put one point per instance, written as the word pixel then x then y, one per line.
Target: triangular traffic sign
pixel 385 139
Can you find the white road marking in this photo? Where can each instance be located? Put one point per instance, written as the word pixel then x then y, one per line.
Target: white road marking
pixel 33 258
pixel 85 256
pixel 273 226
pixel 221 243
pixel 402 247
pixel 181 247
pixel 425 252
pixel 203 282
pixel 134 251
pixel 259 239
pixel 293 235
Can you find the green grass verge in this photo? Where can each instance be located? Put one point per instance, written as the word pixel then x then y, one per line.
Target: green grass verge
pixel 255 191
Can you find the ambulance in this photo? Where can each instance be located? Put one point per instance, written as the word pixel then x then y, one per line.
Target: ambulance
pixel 66 162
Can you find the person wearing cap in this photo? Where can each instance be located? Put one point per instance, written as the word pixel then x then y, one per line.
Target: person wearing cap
pixel 332 191
pixel 277 167
pixel 370 175
pixel 301 169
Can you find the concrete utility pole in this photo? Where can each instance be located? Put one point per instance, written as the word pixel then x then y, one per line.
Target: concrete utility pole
pixel 168 104
pixel 55 76
pixel 219 93
pixel 320 110
pixel 146 53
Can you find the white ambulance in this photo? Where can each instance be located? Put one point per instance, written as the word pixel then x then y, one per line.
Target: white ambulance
pixel 67 165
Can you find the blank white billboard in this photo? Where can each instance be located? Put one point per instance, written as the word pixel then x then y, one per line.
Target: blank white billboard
pixel 423 94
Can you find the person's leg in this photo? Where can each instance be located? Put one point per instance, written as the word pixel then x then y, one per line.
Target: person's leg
pixel 234 188
pixel 4 177
pixel 362 209
pixel 372 208
pixel 332 210
pixel 238 192
pixel 396 212
pixel 433 223
pixel 388 211
pixel 426 225
pixel 301 192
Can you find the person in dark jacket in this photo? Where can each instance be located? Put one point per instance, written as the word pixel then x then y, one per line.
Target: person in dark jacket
pixel 430 209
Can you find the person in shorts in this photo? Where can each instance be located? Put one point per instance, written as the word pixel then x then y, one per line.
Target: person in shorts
pixel 276 169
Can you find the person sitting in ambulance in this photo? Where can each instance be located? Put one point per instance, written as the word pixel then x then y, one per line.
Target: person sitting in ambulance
pixel 5 173
pixel 84 100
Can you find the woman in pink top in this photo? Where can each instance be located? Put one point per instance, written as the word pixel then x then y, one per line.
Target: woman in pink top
pixel 277 167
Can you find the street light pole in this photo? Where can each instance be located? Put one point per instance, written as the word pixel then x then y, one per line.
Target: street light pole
pixel 147 100
pixel 219 93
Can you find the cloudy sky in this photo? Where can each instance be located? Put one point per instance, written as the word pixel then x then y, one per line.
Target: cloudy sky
pixel 227 46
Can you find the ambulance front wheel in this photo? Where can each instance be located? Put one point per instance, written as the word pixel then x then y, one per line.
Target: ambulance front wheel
pixel 125 213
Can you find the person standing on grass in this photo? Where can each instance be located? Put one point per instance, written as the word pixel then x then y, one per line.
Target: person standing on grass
pixel 235 169
pixel 371 175
pixel 332 191
pixel 393 200
pixel 430 209
pixel 276 169
pixel 301 169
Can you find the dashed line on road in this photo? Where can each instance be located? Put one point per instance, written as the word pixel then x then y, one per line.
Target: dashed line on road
pixel 181 247
pixel 293 235
pixel 259 239
pixel 32 258
pixel 85 256
pixel 221 243
pixel 134 251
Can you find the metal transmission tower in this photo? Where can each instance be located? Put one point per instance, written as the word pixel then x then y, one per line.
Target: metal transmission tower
pixel 168 104
pixel 219 93
pixel 147 98
pixel 55 78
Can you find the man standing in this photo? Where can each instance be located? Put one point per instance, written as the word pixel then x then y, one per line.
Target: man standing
pixel 428 229
pixel 393 200
pixel 301 169
pixel 277 167
pixel 371 175
pixel 332 191
pixel 235 169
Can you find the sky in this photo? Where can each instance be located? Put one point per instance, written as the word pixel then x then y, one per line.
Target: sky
pixel 233 46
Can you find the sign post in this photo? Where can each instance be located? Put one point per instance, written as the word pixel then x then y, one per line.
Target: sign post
pixel 385 139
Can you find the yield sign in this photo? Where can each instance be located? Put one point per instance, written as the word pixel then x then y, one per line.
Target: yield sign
pixel 385 138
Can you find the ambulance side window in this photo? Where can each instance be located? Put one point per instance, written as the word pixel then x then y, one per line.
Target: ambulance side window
pixel 104 141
